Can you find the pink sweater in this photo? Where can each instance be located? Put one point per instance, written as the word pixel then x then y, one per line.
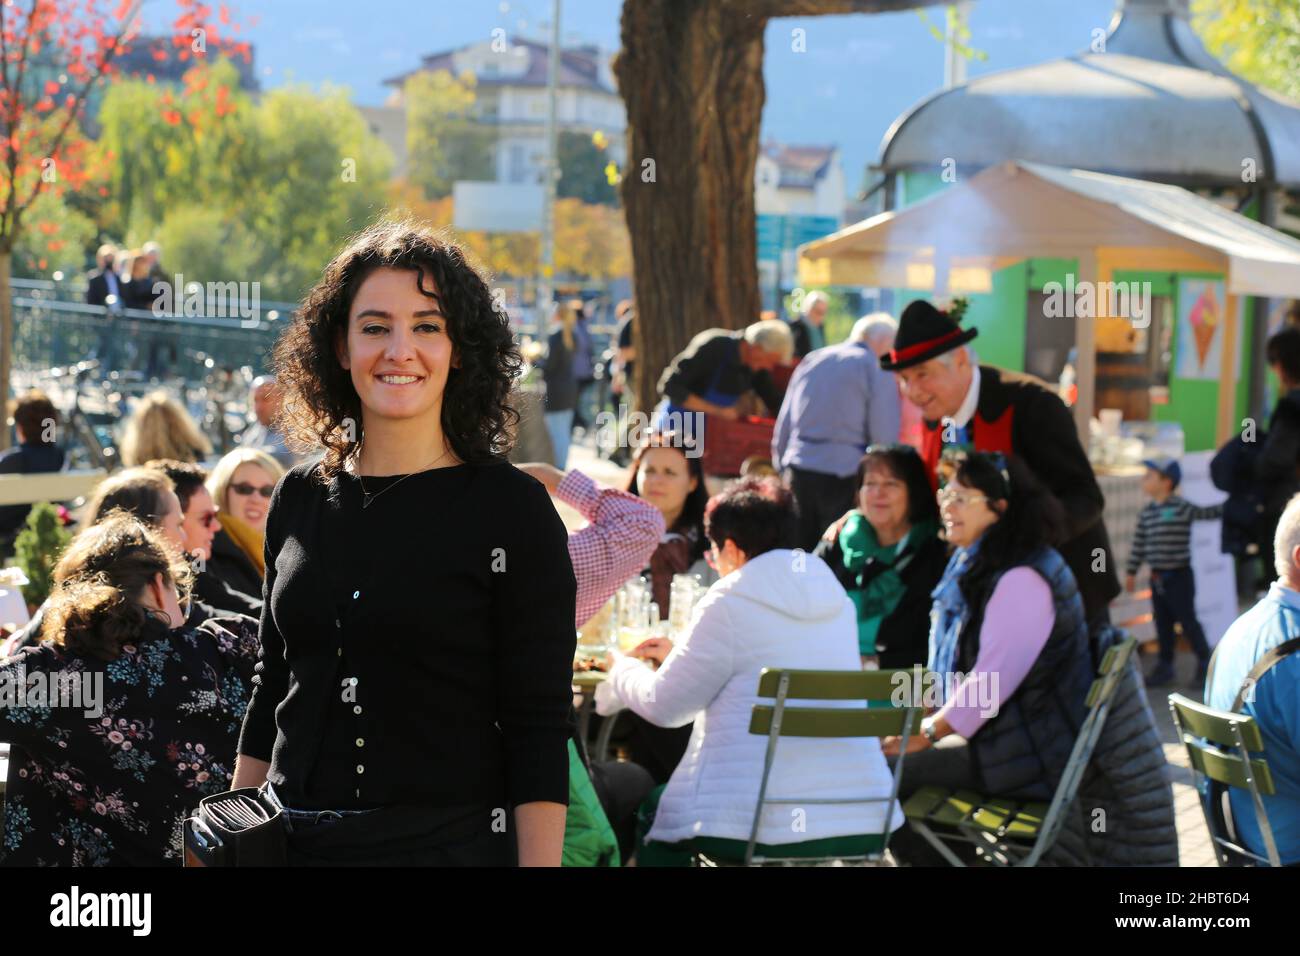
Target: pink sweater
pixel 1017 622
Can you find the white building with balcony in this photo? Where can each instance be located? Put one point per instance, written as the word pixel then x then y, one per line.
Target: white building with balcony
pixel 512 96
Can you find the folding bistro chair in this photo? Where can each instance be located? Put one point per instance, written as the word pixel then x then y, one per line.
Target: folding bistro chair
pixel 1218 745
pixel 1008 831
pixel 777 720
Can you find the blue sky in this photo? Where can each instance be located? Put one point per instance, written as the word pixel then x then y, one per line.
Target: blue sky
pixel 857 74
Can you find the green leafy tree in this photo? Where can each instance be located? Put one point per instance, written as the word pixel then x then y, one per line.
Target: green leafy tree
pixel 321 176
pixel 582 170
pixel 445 138
pixel 202 242
pixel 53 55
pixel 237 190
pixel 55 238
pixel 37 550
pixel 1257 39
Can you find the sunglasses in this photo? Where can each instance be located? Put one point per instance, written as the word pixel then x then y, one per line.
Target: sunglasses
pixel 960 500
pixel 244 488
pixel 208 520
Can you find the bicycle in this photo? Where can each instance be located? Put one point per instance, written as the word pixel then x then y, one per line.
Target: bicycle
pixel 87 447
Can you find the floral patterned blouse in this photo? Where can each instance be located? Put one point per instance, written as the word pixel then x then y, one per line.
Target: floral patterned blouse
pixel 113 789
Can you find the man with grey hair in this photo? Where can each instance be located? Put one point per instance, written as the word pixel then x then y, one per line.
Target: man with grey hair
pixel 967 406
pixel 719 366
pixel 262 434
pixel 878 330
pixel 839 402
pixel 1256 672
pixel 808 331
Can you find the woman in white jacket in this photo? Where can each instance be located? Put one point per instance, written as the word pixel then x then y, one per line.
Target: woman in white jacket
pixel 772 607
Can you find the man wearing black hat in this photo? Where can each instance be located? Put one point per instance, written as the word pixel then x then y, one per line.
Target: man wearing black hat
pixel 969 406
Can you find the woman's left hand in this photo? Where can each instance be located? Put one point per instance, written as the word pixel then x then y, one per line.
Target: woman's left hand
pixel 915 742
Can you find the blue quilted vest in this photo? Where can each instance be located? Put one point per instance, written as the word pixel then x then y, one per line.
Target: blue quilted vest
pixel 1023 750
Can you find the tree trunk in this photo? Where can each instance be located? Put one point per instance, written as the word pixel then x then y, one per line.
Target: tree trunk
pixel 6 332
pixel 691 75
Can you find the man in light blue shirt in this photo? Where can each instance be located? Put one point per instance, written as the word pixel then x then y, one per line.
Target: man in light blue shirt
pixel 839 402
pixel 1275 701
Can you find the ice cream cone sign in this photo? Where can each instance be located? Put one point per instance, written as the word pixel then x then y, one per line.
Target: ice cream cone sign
pixel 1205 322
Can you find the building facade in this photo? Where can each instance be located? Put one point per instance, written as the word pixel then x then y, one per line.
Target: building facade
pixel 511 86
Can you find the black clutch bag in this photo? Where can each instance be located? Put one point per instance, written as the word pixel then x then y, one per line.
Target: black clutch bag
pixel 236 828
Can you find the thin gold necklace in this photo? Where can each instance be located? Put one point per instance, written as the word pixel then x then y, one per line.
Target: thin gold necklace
pixel 367 497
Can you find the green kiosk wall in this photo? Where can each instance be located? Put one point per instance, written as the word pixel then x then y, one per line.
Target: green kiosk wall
pixel 1000 317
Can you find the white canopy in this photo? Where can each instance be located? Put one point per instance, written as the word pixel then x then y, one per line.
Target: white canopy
pixel 952 241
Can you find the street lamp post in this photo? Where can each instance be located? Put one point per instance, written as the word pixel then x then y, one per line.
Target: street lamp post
pixel 954 63
pixel 551 173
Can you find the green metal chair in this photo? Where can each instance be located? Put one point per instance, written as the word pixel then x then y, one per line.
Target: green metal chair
pixel 1008 831
pixel 776 720
pixel 1218 745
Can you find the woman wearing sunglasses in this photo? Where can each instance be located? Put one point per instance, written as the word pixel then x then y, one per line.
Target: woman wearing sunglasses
pixel 200 526
pixel 151 495
pixel 414 696
pixel 1008 640
pixel 241 485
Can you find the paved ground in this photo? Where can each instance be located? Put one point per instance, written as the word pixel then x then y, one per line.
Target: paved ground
pixel 1194 847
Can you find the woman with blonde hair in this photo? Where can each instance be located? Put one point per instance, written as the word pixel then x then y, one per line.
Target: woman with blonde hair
pixel 147 711
pixel 138 288
pixel 241 486
pixel 161 428
pixel 561 382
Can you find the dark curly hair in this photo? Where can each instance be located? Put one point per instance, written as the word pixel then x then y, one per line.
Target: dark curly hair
pixel 320 402
pixel 1033 518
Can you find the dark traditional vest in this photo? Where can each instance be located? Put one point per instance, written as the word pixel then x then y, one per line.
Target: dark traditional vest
pixel 1023 750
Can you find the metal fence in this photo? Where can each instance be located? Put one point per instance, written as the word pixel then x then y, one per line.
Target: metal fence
pixel 50 332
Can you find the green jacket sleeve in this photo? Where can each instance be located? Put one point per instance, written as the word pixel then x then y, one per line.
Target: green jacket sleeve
pixel 588 838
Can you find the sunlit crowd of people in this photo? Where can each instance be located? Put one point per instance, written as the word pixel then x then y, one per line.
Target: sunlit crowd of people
pixel 366 614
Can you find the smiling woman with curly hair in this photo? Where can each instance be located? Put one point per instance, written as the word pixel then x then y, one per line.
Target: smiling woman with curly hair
pixel 417 635
pixel 323 406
